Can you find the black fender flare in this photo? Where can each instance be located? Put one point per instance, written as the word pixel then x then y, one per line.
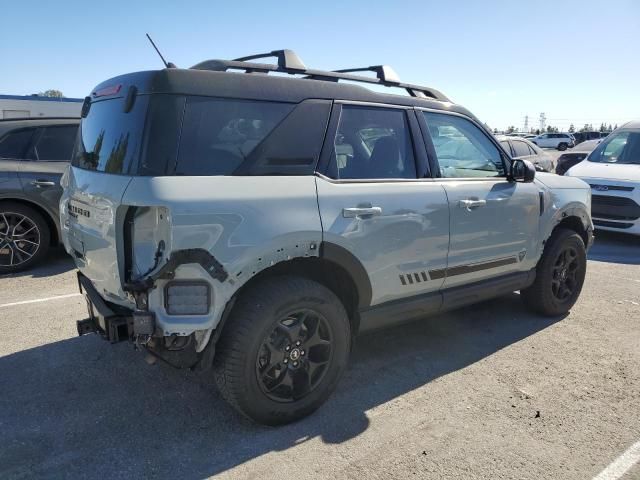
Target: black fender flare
pixel 343 257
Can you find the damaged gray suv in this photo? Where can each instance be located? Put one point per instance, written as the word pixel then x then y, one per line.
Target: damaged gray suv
pixel 226 218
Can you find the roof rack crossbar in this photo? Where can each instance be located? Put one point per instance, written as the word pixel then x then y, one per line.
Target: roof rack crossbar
pixel 383 72
pixel 289 62
pixel 287 59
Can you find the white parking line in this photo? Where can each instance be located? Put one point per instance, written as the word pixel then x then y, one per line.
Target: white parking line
pixel 38 300
pixel 621 464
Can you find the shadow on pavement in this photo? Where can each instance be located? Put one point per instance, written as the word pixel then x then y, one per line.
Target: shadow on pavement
pixel 57 262
pixel 82 408
pixel 615 247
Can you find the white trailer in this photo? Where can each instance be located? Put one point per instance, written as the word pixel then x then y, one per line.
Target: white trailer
pixel 33 106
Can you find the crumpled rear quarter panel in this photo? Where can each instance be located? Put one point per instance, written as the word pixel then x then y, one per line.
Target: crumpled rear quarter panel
pixel 246 223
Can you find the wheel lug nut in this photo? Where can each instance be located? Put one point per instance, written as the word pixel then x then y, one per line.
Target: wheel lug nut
pixel 295 364
pixel 298 343
pixel 302 352
pixel 286 360
pixel 287 348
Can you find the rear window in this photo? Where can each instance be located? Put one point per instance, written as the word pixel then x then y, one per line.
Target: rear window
pixel 110 138
pixel 219 134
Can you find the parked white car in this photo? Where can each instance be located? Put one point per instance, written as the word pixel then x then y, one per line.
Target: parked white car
pixel 561 141
pixel 613 171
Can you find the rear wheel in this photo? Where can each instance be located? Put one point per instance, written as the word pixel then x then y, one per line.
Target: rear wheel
pixel 559 274
pixel 283 350
pixel 562 147
pixel 24 237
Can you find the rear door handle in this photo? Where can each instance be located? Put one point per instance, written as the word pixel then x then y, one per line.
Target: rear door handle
pixel 471 204
pixel 361 211
pixel 43 183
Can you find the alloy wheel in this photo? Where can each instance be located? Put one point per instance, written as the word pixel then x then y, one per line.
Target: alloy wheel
pixel 19 239
pixel 294 358
pixel 564 280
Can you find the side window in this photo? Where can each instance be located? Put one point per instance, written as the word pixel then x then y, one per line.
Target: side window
pixel 463 149
pixel 55 143
pixel 15 143
pixel 219 134
pixel 521 149
pixel 506 146
pixel 532 151
pixel 372 143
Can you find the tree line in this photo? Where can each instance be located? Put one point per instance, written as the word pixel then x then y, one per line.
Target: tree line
pixel 588 127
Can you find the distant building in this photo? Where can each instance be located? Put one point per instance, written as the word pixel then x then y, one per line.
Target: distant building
pixel 33 106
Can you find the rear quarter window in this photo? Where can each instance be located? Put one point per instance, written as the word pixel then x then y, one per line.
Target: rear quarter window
pixel 218 135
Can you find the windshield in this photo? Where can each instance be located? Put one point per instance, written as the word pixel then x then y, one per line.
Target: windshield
pixel 622 147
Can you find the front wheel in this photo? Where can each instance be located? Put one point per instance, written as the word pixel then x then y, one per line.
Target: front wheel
pixel 562 147
pixel 559 274
pixel 283 349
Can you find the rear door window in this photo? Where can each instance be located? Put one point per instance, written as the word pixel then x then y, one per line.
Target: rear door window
pixel 54 143
pixel 110 138
pixel 372 143
pixel 219 134
pixel 15 143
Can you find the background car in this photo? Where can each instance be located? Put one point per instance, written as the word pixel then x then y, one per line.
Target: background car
pixel 561 141
pixel 518 147
pixel 33 156
pixel 585 136
pixel 575 156
pixel 613 171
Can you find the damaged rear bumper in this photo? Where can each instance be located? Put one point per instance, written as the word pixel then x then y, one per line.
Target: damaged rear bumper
pixel 114 323
pixel 117 324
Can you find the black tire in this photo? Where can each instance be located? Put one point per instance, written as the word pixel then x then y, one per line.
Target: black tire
pixel 562 147
pixel 256 320
pixel 11 260
pixel 547 295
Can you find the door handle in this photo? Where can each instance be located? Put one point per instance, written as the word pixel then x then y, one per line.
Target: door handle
pixel 361 211
pixel 471 204
pixel 43 183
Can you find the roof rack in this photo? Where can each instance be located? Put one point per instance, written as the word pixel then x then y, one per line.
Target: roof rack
pixel 289 62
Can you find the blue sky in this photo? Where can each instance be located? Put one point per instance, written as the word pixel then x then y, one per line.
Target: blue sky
pixel 576 61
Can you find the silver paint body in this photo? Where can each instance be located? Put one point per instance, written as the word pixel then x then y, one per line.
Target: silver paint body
pixel 251 223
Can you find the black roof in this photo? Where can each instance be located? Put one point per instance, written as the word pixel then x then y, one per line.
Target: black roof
pixel 256 81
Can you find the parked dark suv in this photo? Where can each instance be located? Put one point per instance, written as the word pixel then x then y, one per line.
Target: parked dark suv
pixel 33 155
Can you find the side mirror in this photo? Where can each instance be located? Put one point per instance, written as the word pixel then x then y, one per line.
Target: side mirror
pixel 522 171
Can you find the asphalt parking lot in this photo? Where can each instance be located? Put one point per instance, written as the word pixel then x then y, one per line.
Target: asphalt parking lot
pixel 490 391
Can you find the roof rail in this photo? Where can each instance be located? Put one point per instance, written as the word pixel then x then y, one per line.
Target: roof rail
pixel 289 62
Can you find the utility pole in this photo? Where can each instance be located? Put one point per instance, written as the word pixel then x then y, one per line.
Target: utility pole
pixel 526 123
pixel 543 120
